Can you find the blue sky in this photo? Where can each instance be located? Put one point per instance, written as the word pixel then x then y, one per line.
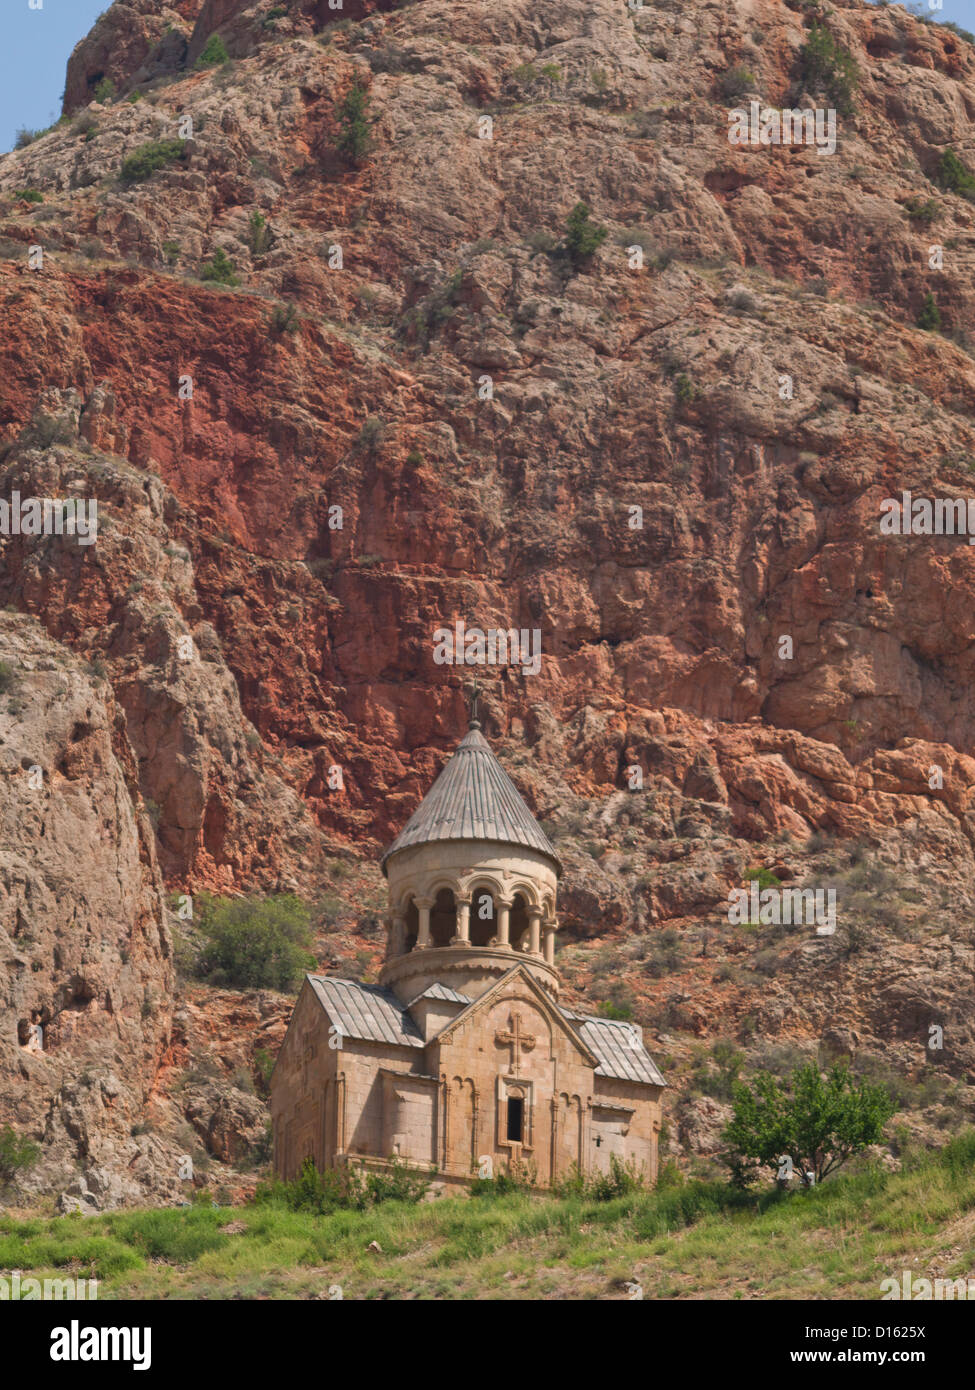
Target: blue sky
pixel 34 50
pixel 35 44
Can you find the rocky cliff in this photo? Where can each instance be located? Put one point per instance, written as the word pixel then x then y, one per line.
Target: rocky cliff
pixel 328 404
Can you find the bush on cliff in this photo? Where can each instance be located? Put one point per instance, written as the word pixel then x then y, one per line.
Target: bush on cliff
pixel 583 237
pixel 144 161
pixel 254 943
pixel 930 316
pixel 214 54
pixel 220 270
pixel 952 174
pixel 826 66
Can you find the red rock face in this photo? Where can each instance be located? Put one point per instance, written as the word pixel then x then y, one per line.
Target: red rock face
pixel 489 413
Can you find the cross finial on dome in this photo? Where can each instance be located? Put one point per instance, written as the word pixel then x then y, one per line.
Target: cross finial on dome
pixel 475 693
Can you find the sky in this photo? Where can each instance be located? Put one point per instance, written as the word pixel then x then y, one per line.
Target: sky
pixel 34 50
pixel 35 44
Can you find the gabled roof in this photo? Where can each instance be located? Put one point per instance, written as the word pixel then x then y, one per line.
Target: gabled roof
pixel 439 991
pixel 473 799
pixel 544 999
pixel 619 1047
pixel 365 1011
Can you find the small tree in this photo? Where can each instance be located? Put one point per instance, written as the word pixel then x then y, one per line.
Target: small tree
pixel 582 236
pixel 220 270
pixel 355 137
pixel 214 54
pixel 826 66
pixel 929 317
pixel 826 1120
pixel 17 1154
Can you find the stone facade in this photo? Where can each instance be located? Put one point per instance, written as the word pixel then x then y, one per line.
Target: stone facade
pixel 461 1060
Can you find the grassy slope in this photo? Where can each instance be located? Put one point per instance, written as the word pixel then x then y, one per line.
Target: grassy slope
pixel 700 1241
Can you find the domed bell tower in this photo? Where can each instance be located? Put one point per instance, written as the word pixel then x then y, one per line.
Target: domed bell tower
pixel 472 883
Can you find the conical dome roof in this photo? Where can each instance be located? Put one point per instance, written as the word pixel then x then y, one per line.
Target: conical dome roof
pixel 473 799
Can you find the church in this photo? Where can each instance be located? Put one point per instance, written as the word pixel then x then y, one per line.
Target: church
pixel 460 1060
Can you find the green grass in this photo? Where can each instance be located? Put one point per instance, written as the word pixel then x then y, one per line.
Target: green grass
pixel 701 1239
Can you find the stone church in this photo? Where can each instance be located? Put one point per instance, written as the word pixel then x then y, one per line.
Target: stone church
pixel 461 1059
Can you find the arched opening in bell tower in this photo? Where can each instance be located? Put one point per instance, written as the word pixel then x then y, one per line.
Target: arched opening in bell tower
pixel 412 918
pixel 443 918
pixel 519 923
pixel 484 916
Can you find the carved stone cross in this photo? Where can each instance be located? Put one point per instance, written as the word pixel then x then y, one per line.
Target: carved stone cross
pixel 517 1039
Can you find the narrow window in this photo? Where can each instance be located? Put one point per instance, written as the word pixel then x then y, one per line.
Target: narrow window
pixel 516 1111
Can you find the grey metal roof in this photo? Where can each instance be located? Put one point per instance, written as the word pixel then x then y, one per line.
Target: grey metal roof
pixel 473 799
pixel 439 991
pixel 365 1011
pixel 619 1047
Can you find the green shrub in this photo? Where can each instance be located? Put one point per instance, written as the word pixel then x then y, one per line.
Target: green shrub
pixel 826 66
pixel 955 176
pixel 258 234
pixel 220 270
pixel 29 195
pixel 929 317
pixel 254 943
pixel 736 82
pixel 622 1013
pixel 925 212
pixel 355 137
pixel 622 1179
pixel 684 389
pixel 582 236
pixel 171 251
pixel 764 878
pixel 17 1154
pixel 105 90
pixel 371 435
pixel 214 54
pixel 144 161
pixel 284 318
pixel 344 1189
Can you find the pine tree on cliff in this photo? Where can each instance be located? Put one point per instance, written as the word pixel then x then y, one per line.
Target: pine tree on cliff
pixel 355 138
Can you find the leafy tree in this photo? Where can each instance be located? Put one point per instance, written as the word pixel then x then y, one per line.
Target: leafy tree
pixel 582 236
pixel 826 66
pixel 826 1120
pixel 16 1154
pixel 929 317
pixel 254 943
pixel 355 137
